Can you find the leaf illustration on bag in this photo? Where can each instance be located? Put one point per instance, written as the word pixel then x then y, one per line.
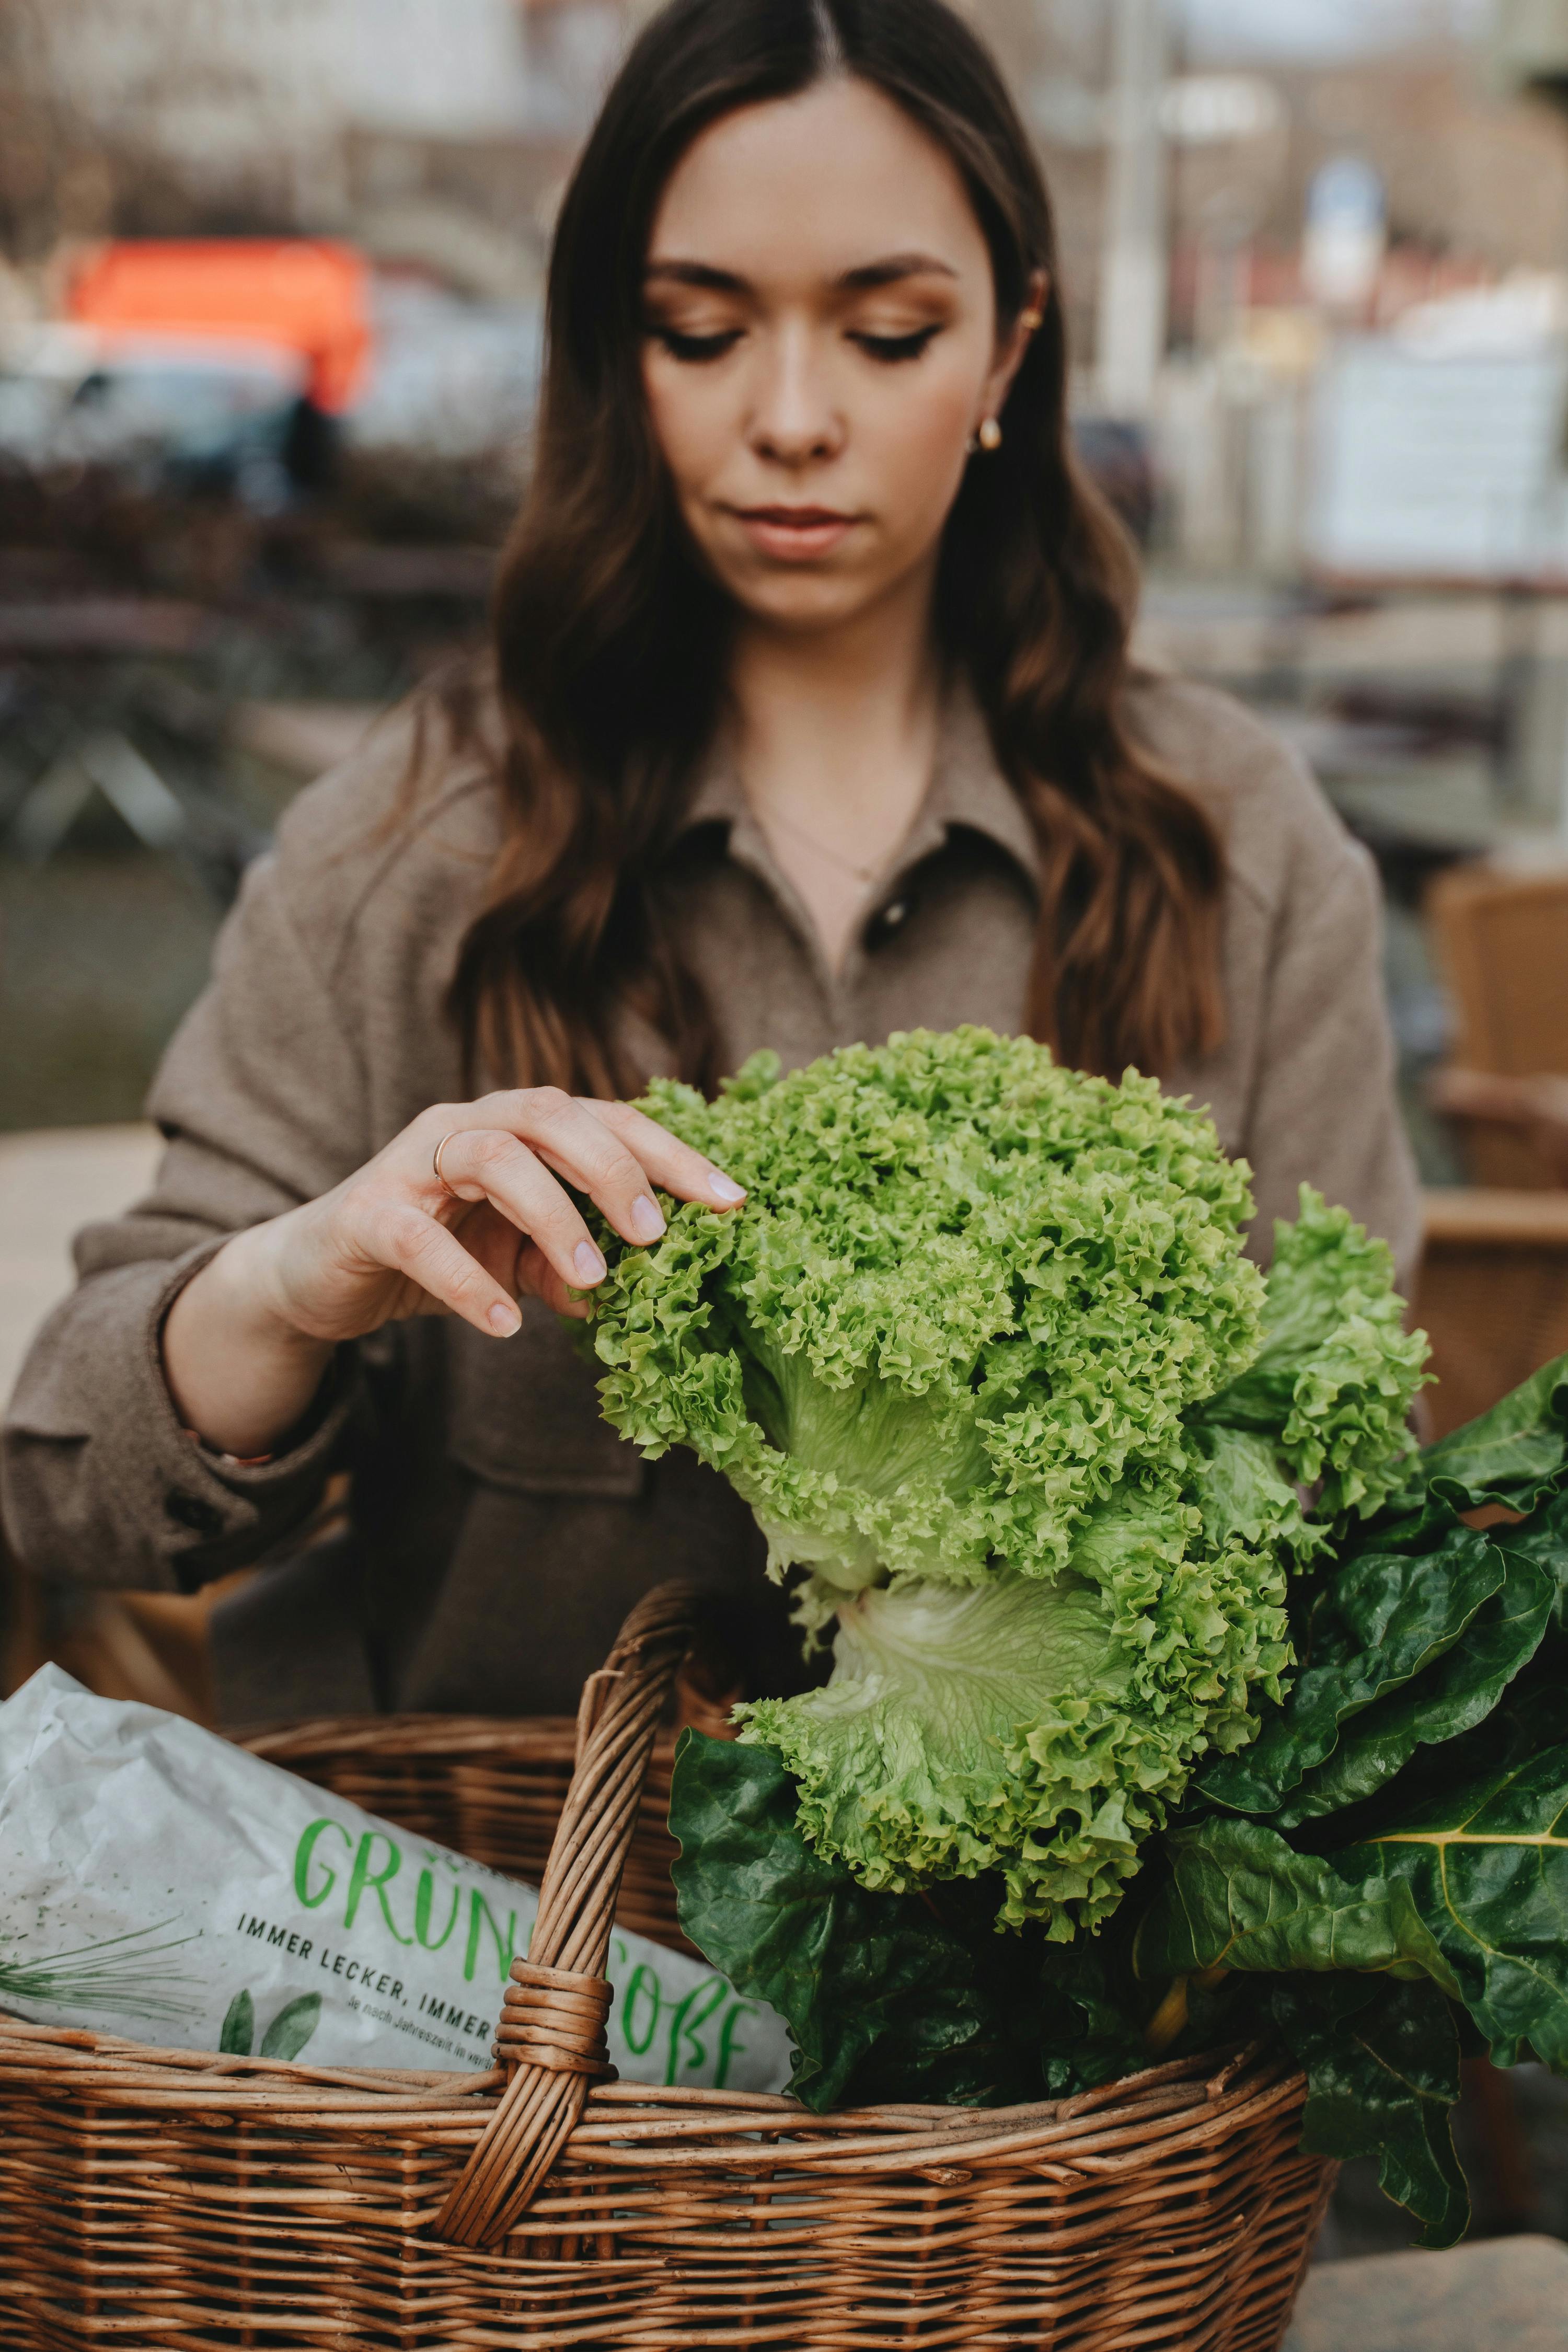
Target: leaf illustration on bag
pixel 237 2039
pixel 119 1974
pixel 1488 1866
pixel 292 2027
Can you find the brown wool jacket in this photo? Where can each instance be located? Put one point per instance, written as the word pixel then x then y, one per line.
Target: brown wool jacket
pixel 498 1529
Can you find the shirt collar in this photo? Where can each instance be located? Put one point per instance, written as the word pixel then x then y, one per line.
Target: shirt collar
pixel 968 793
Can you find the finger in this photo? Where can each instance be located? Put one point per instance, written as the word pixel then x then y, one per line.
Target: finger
pixel 569 1137
pixel 420 1247
pixel 493 1239
pixel 536 1276
pixel 671 1164
pixel 485 1162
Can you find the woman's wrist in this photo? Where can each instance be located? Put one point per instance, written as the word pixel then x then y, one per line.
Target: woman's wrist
pixel 240 1374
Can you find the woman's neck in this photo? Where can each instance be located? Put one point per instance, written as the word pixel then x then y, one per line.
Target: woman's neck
pixel 836 735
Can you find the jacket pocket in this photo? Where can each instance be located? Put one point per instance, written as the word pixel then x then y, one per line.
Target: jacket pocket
pixel 524 1413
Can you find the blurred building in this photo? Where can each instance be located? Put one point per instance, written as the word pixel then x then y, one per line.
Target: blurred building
pixel 432 130
pixel 1184 141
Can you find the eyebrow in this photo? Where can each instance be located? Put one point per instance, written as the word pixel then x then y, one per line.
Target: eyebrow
pixel 869 274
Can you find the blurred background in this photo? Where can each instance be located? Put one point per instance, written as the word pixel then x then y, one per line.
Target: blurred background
pixel 270 278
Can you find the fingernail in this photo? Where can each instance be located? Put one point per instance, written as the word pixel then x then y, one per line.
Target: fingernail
pixel 503 1320
pixel 644 1221
pixel 590 1265
pixel 724 1188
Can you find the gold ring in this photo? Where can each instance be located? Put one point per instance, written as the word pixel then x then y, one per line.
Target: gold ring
pixel 441 1147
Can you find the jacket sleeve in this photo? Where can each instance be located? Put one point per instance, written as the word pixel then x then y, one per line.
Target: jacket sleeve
pixel 1325 1110
pixel 261 1099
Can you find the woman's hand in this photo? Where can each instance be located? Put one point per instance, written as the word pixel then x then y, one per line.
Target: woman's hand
pixel 248 1338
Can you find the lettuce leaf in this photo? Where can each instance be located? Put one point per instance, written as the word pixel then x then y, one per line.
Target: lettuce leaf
pixel 881 1998
pixel 1006 1728
pixel 1333 1384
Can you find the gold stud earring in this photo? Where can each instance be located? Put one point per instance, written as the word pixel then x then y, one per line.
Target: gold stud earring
pixel 989 434
pixel 1031 319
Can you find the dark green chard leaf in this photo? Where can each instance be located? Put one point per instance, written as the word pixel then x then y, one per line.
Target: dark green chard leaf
pixel 1543 1538
pixel 1373 1625
pixel 1091 2011
pixel 882 1998
pixel 1488 1865
pixel 1531 1715
pixel 1515 1455
pixel 1382 2062
pixel 1238 1898
pixel 1455 1694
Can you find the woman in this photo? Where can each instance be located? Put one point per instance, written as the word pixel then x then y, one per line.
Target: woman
pixel 810 717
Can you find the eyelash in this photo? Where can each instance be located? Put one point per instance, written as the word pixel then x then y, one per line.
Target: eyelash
pixel 892 349
pixel 698 349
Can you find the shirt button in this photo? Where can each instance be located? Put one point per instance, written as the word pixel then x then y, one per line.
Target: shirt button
pixel 193 1511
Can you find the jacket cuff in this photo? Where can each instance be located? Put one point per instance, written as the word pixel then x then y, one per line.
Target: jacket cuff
pixel 101 1467
pixel 221 1512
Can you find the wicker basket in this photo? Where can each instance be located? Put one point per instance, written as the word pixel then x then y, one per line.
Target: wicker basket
pixel 170 2198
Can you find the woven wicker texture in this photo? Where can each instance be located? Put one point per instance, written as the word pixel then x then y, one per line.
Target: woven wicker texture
pixel 199 2202
pixel 175 2199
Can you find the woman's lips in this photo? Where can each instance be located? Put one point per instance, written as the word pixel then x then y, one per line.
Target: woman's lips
pixel 794 534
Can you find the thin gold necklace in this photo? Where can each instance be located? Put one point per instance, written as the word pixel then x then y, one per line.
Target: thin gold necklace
pixel 865 874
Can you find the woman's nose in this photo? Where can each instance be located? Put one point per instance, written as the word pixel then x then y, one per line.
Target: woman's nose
pixel 793 417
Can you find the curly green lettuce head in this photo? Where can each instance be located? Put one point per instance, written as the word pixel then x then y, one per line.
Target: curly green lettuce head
pixel 957 1350
pixel 968 1288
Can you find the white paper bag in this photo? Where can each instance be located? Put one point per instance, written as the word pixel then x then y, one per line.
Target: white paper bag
pixel 160 1883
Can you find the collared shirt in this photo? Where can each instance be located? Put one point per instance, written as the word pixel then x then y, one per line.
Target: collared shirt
pixel 948 930
pixel 498 1529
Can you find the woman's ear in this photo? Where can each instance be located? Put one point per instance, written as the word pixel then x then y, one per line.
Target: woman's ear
pixel 1010 350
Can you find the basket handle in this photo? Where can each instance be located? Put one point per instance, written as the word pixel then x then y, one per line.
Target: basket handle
pixel 551 2035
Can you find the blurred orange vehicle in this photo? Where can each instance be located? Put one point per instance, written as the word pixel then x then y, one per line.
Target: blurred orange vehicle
pixel 303 296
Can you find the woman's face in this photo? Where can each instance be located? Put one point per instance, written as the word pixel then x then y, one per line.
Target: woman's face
pixel 821 343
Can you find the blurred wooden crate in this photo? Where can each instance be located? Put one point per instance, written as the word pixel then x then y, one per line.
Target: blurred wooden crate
pixel 1492 1294
pixel 1501 940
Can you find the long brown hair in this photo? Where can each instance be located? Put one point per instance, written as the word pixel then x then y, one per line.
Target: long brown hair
pixel 611 643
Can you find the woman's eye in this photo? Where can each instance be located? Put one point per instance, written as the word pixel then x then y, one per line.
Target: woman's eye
pixel 696 347
pixel 892 347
